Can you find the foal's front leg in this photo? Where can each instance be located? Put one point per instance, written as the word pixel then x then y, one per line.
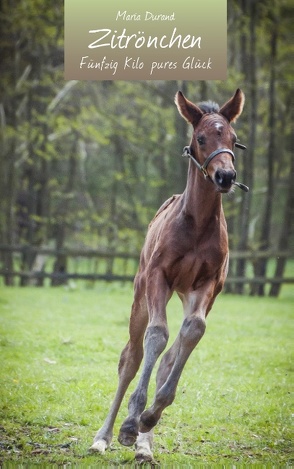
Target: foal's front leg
pixel 143 447
pixel 192 330
pixel 156 337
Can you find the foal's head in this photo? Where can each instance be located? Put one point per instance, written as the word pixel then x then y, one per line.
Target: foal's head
pixel 213 137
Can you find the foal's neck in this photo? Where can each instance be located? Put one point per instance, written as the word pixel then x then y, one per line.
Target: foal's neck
pixel 201 200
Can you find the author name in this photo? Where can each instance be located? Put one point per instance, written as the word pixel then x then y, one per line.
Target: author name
pixel 148 16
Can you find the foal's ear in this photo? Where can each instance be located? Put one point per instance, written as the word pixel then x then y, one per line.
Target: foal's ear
pixel 188 110
pixel 234 107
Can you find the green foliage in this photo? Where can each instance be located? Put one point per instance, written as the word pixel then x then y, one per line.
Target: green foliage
pixel 99 155
pixel 59 353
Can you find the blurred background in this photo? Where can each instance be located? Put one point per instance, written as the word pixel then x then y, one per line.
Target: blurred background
pixel 85 165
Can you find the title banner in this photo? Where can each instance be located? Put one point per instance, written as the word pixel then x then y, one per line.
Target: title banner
pixel 145 40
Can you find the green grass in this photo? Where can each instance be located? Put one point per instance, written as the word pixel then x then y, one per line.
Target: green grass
pixel 59 351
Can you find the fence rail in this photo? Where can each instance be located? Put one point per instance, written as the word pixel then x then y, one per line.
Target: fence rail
pixel 32 265
pixel 68 252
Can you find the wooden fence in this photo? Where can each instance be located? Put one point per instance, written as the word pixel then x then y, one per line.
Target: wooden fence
pixel 29 265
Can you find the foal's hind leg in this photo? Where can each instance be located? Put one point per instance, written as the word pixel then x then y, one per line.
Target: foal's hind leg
pixel 129 363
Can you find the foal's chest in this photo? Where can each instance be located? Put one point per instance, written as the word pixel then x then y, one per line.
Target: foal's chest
pixel 196 268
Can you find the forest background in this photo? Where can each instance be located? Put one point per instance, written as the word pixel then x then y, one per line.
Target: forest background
pixel 86 164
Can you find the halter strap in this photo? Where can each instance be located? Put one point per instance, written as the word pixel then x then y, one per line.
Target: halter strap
pixel 187 153
pixel 203 168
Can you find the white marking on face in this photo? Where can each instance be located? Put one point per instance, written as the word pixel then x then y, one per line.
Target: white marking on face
pixel 219 126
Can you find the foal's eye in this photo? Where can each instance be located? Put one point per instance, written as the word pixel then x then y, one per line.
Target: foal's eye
pixel 201 139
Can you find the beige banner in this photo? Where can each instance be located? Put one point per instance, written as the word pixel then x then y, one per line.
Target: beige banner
pixel 147 40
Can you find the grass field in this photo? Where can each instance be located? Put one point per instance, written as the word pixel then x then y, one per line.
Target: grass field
pixel 59 351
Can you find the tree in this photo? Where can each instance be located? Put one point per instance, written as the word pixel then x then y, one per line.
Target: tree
pixel 81 160
pixel 264 239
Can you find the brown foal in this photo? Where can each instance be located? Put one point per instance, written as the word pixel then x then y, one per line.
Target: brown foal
pixel 186 251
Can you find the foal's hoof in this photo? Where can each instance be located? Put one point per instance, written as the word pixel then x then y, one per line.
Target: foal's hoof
pixel 99 446
pixel 142 458
pixel 128 432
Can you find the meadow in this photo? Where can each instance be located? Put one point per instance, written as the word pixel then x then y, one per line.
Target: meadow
pixel 59 352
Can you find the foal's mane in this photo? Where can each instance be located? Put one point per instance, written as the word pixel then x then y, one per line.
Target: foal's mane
pixel 208 107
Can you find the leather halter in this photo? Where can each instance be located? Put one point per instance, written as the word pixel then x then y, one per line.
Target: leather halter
pixel 187 152
pixel 203 168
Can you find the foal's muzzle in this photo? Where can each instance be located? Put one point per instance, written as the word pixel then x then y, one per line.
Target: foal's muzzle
pixel 224 179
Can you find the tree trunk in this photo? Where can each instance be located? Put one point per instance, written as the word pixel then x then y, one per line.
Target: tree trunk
pixel 264 241
pixel 249 8
pixel 8 140
pixel 286 230
pixel 60 265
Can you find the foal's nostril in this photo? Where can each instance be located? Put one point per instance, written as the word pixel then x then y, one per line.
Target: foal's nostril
pixel 225 178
